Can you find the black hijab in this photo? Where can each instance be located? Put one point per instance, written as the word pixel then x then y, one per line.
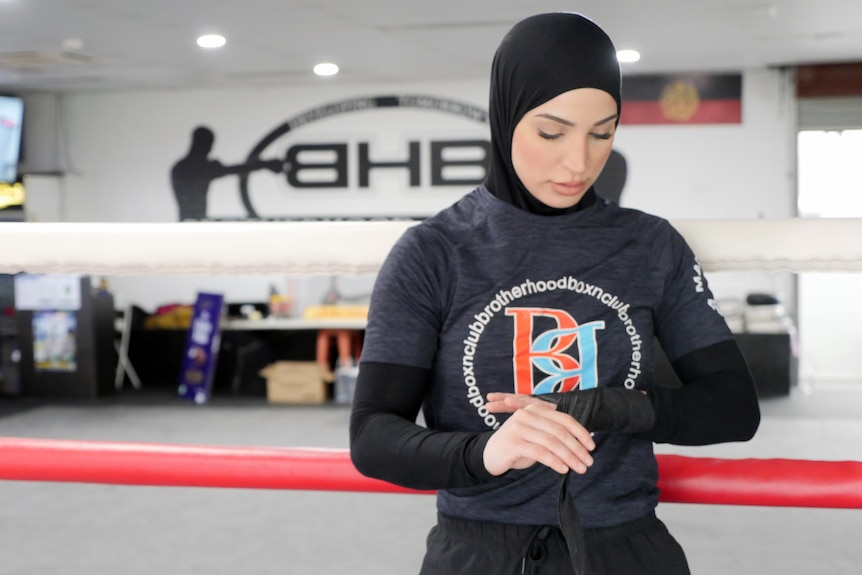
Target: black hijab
pixel 540 58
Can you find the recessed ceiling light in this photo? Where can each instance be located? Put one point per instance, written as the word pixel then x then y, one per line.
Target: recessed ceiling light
pixel 73 44
pixel 628 56
pixel 211 41
pixel 326 69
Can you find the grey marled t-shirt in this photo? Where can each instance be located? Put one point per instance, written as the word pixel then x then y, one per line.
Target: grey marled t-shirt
pixel 492 298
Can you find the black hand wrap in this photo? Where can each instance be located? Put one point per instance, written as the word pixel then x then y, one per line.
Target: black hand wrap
pixel 570 525
pixel 607 409
pixel 599 409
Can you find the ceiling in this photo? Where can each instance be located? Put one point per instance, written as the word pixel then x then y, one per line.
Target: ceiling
pixel 61 45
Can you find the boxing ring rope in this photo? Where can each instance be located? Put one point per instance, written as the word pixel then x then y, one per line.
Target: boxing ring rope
pixel 785 245
pixel 761 482
pixel 351 247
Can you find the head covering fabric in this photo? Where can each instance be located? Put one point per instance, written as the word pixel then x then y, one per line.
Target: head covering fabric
pixel 540 58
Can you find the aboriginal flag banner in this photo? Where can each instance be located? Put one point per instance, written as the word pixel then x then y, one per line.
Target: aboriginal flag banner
pixel 682 99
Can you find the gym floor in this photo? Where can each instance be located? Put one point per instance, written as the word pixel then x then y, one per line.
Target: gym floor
pixel 77 529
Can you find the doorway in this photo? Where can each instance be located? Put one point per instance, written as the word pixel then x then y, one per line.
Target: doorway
pixel 829 310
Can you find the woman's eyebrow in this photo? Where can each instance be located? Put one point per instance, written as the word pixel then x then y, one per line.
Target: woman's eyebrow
pixel 606 120
pixel 557 119
pixel 570 124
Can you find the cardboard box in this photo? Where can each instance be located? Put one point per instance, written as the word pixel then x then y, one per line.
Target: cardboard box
pixel 294 382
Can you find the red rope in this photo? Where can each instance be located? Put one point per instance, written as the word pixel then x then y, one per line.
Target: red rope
pixel 763 482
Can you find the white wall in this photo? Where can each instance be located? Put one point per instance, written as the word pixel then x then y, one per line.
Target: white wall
pixel 126 143
pixel 44 202
pixel 718 171
pixel 122 145
pixel 722 171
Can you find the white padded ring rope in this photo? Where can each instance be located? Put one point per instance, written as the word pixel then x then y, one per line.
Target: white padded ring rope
pixel 354 247
pixel 198 248
pixel 776 245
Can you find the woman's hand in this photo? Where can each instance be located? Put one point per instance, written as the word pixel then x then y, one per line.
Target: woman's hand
pixel 535 433
pixel 499 402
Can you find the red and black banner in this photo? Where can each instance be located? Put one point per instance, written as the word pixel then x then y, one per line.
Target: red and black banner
pixel 682 99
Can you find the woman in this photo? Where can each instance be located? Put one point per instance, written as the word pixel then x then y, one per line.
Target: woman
pixel 522 320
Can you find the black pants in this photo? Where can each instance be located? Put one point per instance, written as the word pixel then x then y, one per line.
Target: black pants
pixel 640 547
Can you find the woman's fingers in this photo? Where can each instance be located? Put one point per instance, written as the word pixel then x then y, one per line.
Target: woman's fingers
pixel 511 402
pixel 536 434
pixel 572 425
pixel 574 437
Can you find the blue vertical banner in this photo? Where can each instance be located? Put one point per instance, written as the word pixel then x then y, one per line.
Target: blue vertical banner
pixel 202 346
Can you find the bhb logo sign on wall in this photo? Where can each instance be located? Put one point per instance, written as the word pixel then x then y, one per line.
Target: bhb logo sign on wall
pixel 393 156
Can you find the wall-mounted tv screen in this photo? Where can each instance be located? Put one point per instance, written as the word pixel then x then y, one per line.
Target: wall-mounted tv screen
pixel 11 118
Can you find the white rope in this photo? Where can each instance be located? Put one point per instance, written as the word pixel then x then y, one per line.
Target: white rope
pixel 776 245
pixel 353 247
pixel 198 248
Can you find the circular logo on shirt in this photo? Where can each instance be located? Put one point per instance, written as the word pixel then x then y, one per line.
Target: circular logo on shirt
pixel 552 350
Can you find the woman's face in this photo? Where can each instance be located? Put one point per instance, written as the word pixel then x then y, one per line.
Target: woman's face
pixel 560 147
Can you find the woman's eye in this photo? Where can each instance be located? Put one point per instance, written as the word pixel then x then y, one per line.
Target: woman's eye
pixel 548 136
pixel 605 136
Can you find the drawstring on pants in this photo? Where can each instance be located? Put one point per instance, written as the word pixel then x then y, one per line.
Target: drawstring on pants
pixel 536 552
pixel 572 531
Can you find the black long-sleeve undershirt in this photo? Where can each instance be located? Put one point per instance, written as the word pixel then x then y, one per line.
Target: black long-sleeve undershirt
pixel 386 443
pixel 716 403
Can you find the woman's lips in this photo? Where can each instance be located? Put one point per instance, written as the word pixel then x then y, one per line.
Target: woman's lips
pixel 569 188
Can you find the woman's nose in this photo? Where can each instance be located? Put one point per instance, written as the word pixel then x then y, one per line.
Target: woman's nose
pixel 576 156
